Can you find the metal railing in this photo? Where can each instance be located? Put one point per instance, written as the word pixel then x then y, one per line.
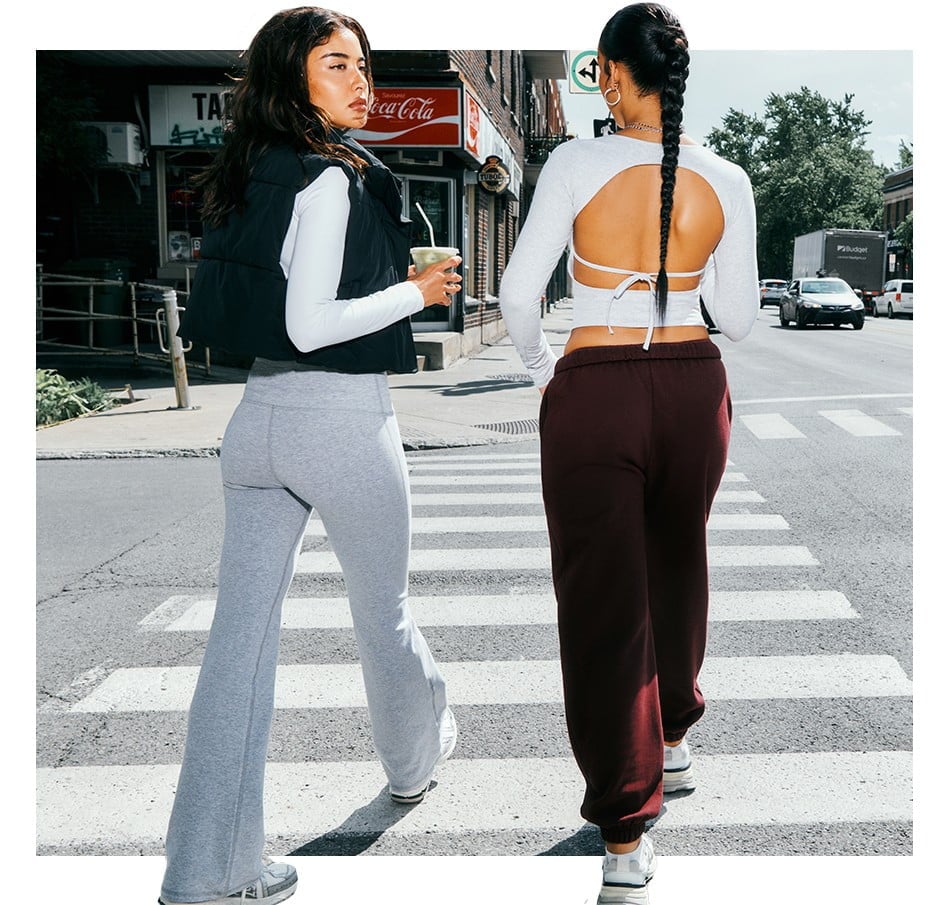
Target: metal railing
pixel 537 148
pixel 78 304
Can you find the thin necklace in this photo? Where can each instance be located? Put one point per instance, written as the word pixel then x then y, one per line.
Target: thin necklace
pixel 643 127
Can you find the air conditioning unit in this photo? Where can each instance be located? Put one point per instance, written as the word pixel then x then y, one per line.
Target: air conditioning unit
pixel 119 142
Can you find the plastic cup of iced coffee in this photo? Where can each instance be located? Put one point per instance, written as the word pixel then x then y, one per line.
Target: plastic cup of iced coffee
pixel 425 255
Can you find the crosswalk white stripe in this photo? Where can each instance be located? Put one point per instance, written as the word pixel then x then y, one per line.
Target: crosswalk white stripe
pixel 194 613
pixel 483 457
pixel 770 427
pixel 416 467
pixel 740 606
pixel 454 480
pixel 522 498
pixel 738 496
pixel 808 789
pixel 907 411
pixel 471 524
pixel 860 424
pixel 476 499
pixel 318 686
pixel 746 521
pixel 499 559
pixel 475 457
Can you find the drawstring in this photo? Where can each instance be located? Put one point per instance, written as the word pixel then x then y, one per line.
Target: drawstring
pixel 635 277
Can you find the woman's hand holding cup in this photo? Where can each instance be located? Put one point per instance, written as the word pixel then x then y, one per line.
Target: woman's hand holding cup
pixel 437 281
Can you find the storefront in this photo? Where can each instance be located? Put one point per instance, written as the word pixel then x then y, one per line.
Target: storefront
pixel 436 139
pixel 185 130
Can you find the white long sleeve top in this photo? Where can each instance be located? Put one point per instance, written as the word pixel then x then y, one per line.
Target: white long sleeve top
pixel 572 175
pixel 311 258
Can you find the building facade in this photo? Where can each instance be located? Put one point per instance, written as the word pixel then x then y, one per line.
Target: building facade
pixel 460 129
pixel 897 205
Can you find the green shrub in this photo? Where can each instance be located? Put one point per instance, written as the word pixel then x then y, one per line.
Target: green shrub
pixel 59 399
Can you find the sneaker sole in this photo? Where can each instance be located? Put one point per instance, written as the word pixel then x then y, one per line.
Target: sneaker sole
pixel 273 899
pixel 623 895
pixel 678 780
pixel 409 799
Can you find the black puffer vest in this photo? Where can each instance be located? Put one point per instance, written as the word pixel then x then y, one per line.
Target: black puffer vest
pixel 238 297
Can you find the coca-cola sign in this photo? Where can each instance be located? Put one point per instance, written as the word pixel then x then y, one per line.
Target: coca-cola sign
pixel 413 118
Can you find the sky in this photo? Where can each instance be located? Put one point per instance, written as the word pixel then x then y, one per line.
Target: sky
pixel 719 80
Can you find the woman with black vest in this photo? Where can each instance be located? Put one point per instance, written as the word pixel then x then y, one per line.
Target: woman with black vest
pixel 304 266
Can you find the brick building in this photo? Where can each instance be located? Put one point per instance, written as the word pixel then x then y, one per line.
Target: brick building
pixel 897 205
pixel 463 130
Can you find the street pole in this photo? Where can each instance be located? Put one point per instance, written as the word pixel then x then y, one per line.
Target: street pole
pixel 176 350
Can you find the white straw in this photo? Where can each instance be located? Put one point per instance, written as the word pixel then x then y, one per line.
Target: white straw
pixel 430 228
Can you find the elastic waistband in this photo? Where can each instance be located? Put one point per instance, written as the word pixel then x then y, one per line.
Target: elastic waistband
pixel 593 355
pixel 288 385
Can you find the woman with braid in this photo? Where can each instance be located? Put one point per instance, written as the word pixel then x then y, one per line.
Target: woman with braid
pixel 634 421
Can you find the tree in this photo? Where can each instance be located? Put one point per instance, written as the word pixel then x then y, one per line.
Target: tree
pixel 906 155
pixel 63 145
pixel 807 160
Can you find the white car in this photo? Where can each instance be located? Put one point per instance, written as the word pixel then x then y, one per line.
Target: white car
pixel 896 298
pixel 771 292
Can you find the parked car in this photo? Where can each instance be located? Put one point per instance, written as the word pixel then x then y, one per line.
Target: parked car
pixel 771 292
pixel 821 300
pixel 896 298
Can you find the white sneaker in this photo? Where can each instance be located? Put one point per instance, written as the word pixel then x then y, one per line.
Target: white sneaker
pixel 625 877
pixel 449 738
pixel 276 883
pixel 678 776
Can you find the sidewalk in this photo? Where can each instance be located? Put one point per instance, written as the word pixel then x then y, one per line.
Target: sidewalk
pixel 475 401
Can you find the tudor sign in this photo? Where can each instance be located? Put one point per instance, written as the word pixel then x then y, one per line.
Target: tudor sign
pixel 413 118
pixel 493 175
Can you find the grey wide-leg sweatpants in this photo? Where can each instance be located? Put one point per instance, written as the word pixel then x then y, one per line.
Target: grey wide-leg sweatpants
pixel 300 439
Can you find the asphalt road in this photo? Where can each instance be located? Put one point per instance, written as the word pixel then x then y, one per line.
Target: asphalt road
pixel 822 435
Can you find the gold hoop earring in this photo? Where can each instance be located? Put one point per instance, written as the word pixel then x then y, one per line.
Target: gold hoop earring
pixel 606 99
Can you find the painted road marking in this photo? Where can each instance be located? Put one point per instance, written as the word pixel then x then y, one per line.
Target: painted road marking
pixel 193 613
pixel 114 806
pixel 501 559
pixel 859 424
pixel 320 686
pixel 770 427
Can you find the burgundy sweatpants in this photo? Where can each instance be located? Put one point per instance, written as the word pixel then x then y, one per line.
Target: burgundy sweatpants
pixel 633 446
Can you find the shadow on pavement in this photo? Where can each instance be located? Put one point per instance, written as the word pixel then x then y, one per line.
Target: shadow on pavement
pixel 360 831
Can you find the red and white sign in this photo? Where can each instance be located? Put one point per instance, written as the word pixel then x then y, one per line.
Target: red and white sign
pixel 472 132
pixel 413 118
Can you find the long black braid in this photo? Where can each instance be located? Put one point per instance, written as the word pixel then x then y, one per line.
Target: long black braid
pixel 672 100
pixel 648 39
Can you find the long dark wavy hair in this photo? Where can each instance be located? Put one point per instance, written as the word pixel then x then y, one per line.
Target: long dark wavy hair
pixel 648 39
pixel 270 105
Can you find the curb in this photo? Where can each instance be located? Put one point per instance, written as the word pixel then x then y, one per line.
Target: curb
pixel 409 444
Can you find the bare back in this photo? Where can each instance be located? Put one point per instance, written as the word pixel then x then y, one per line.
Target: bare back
pixel 619 227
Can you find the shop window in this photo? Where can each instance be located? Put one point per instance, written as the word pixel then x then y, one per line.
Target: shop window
pixel 179 217
pixel 436 196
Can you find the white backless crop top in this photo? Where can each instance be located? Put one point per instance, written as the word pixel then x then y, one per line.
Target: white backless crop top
pixel 574 172
pixel 638 305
